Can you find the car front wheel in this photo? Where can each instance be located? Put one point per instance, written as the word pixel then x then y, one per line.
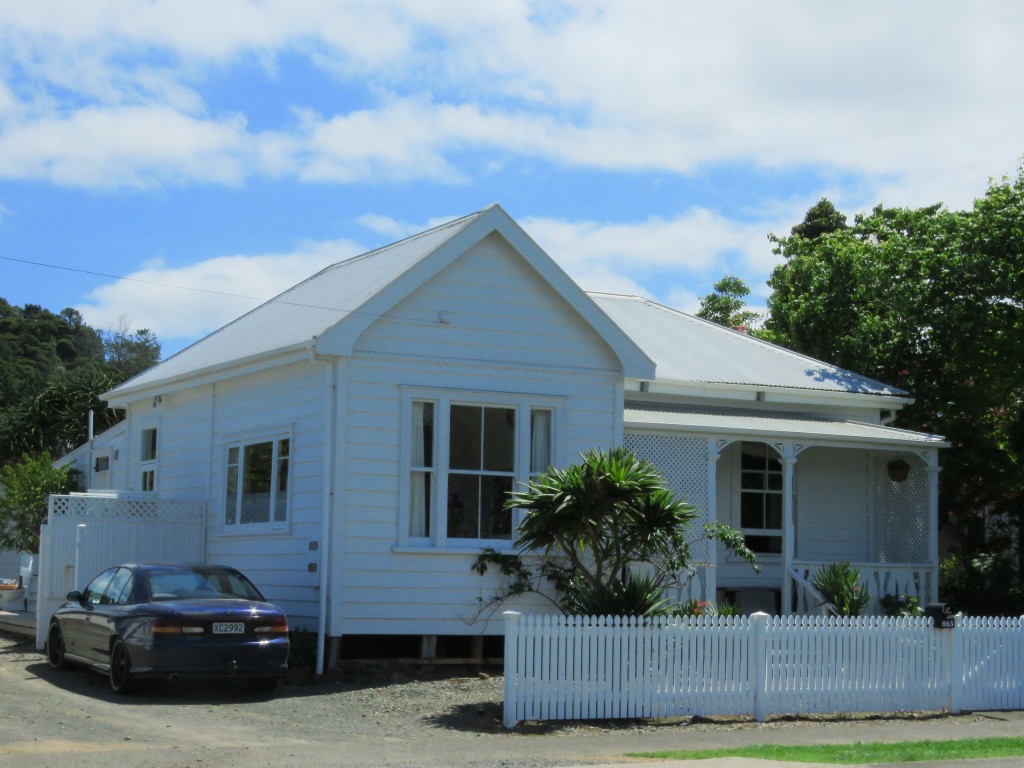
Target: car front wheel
pixel 121 680
pixel 55 648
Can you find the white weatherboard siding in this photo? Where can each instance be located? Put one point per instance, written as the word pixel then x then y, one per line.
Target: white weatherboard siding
pixel 535 346
pixel 287 402
pixel 833 505
pixel 195 425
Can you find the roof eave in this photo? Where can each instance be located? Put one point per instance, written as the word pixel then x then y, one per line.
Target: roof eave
pixel 767 393
pixel 121 396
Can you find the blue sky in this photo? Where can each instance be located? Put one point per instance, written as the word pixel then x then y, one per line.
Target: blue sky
pixel 204 149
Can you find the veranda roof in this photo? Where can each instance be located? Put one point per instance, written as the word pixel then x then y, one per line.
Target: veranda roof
pixel 687 349
pixel 769 425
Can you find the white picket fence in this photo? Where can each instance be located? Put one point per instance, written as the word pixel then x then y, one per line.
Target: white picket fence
pixel 583 667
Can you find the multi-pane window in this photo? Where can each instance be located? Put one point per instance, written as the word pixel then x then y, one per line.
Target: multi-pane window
pixel 481 468
pixel 465 459
pixel 147 459
pixel 761 498
pixel 257 483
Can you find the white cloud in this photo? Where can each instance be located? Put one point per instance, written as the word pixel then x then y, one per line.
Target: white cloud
pixel 128 146
pixel 191 301
pixel 922 98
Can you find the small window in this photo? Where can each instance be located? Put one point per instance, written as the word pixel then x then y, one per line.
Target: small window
pixel 256 488
pixel 148 460
pixel 148 445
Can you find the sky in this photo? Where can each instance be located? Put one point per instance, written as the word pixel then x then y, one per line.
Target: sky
pixel 169 165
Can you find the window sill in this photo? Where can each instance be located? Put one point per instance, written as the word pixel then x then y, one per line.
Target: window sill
pixel 467 549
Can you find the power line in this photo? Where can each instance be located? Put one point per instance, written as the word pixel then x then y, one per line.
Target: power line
pixel 393 318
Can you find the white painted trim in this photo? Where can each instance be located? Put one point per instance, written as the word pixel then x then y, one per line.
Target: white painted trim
pixel 523 403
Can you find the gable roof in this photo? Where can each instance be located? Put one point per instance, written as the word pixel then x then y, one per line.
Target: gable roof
pixel 688 349
pixel 327 312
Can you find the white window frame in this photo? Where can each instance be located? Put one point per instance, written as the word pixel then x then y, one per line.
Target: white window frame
pixel 148 466
pixel 738 491
pixel 523 404
pixel 241 442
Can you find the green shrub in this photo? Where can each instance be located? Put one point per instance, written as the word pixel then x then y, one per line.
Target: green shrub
pixel 901 605
pixel 839 584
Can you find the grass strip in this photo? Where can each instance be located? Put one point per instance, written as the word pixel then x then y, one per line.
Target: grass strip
pixel 875 752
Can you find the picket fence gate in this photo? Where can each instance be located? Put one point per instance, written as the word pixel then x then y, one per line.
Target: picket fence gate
pixel 587 667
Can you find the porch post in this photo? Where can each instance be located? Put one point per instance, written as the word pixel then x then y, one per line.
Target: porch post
pixel 711 514
pixel 933 524
pixel 788 526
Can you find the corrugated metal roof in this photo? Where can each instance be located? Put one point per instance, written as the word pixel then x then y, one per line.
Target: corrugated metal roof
pixel 304 311
pixel 689 349
pixel 750 423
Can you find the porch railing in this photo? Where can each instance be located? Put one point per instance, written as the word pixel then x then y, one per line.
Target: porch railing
pixel 808 600
pixel 918 580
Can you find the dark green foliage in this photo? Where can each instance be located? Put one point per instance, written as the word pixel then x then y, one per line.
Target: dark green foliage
pixel 982 584
pixel 839 584
pixel 932 301
pixel 27 484
pixel 726 305
pixel 605 533
pixel 901 605
pixel 53 368
pixel 36 345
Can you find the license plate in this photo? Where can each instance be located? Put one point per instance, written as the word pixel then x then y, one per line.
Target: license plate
pixel 228 627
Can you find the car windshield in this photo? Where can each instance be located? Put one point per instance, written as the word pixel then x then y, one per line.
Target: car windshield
pixel 200 584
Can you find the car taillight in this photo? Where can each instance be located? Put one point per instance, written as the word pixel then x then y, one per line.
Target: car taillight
pixel 166 625
pixel 274 625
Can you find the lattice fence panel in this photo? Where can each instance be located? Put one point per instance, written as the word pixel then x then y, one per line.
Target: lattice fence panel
pixel 901 510
pixel 683 462
pixel 112 508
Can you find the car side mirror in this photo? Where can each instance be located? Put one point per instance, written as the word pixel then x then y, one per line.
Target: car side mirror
pixel 75 596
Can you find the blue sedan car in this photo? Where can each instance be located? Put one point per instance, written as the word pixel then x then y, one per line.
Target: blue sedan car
pixel 171 621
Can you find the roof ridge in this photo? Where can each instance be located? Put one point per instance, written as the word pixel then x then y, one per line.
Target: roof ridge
pixel 330 267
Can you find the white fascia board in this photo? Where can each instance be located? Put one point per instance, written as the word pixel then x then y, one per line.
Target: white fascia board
pixel 788 395
pixel 835 441
pixel 122 396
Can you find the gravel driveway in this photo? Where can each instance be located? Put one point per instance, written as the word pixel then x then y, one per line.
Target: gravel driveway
pixel 374 718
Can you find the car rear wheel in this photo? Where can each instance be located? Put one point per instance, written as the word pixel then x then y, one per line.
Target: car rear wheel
pixel 121 680
pixel 55 648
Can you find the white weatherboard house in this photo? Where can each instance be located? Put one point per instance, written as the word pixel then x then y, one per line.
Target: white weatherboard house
pixel 352 439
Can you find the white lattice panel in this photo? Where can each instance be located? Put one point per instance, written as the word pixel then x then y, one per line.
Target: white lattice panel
pixel 683 462
pixel 111 508
pixel 901 511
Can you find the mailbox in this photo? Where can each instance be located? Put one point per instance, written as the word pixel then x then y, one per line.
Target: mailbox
pixel 941 614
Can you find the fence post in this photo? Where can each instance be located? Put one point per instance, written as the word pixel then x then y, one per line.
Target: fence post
pixel 509 719
pixel 758 658
pixel 955 665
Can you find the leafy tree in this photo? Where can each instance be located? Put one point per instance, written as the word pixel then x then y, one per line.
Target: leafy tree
pixel 56 419
pixel 930 300
pixel 37 345
pixel 608 535
pixel 726 304
pixel 53 368
pixel 130 353
pixel 26 487
pixel 822 219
